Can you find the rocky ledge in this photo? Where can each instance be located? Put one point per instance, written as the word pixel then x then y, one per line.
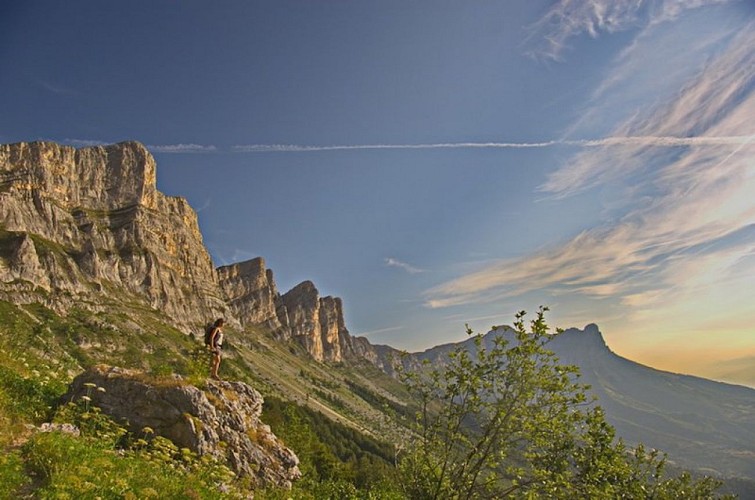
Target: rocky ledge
pixel 223 420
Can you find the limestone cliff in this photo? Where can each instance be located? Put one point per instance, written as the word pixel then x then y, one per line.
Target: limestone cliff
pixel 251 293
pixel 87 227
pixel 316 322
pixel 75 223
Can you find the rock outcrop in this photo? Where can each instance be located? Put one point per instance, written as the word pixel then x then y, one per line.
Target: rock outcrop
pixel 387 358
pixel 315 322
pixel 251 293
pixel 74 222
pixel 222 421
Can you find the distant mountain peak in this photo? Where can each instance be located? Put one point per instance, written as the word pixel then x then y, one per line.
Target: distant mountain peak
pixel 590 337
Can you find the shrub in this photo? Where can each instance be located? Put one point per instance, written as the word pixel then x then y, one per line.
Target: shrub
pixel 12 475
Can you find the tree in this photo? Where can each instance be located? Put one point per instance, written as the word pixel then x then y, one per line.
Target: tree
pixel 502 418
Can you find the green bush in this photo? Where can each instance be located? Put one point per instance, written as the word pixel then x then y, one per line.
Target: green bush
pixel 74 467
pixel 12 475
pixel 27 398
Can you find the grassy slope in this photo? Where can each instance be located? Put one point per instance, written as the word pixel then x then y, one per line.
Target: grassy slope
pixel 41 351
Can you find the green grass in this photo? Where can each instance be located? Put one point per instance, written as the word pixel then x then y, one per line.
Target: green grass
pixel 89 466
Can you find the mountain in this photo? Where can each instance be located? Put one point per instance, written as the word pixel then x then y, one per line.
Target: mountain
pixel 98 266
pixel 81 227
pixel 703 425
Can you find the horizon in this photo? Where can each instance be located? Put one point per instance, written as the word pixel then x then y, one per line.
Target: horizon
pixel 438 164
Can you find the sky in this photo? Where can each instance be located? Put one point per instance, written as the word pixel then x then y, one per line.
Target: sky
pixel 437 163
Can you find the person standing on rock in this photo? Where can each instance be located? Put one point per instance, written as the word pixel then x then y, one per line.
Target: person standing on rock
pixel 216 345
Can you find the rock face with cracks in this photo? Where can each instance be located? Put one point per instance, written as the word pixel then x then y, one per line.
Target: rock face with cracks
pixel 80 224
pixel 223 420
pixel 87 227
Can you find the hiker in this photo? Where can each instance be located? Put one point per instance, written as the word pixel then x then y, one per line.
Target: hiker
pixel 216 345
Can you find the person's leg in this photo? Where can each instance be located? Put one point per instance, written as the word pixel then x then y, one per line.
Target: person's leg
pixel 215 364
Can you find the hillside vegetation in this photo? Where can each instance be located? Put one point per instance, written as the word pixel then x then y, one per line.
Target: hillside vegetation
pixel 308 404
pixel 352 427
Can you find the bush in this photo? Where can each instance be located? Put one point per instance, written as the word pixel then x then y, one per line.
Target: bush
pixel 12 475
pixel 27 398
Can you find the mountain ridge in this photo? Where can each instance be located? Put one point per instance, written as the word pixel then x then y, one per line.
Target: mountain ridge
pixel 86 228
pixel 702 424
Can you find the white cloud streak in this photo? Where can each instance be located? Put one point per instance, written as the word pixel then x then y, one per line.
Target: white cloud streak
pixel 651 141
pixel 391 262
pixel 381 330
pixel 181 148
pixel 294 148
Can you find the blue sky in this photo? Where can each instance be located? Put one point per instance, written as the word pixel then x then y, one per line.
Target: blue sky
pixel 436 163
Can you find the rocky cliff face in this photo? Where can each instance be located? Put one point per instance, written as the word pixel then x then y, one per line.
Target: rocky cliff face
pixel 81 226
pixel 251 293
pixel 77 223
pixel 223 421
pixel 316 322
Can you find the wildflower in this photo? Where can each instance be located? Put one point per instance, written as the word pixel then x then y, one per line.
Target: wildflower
pixel 86 398
pixel 101 389
pixel 148 430
pixel 90 384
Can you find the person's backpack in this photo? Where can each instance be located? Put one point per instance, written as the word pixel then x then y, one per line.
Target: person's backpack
pixel 208 333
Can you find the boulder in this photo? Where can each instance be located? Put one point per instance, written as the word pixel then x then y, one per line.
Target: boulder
pixel 223 420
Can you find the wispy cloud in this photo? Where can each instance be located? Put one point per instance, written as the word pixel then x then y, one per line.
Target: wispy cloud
pixel 380 331
pixel 710 103
pixel 295 148
pixel 182 148
pixel 548 38
pixel 391 262
pixel 54 88
pixel 204 206
pixel 618 140
pixel 683 235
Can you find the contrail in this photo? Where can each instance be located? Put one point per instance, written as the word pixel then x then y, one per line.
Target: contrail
pixel 287 148
pixel 655 141
pixel 181 148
